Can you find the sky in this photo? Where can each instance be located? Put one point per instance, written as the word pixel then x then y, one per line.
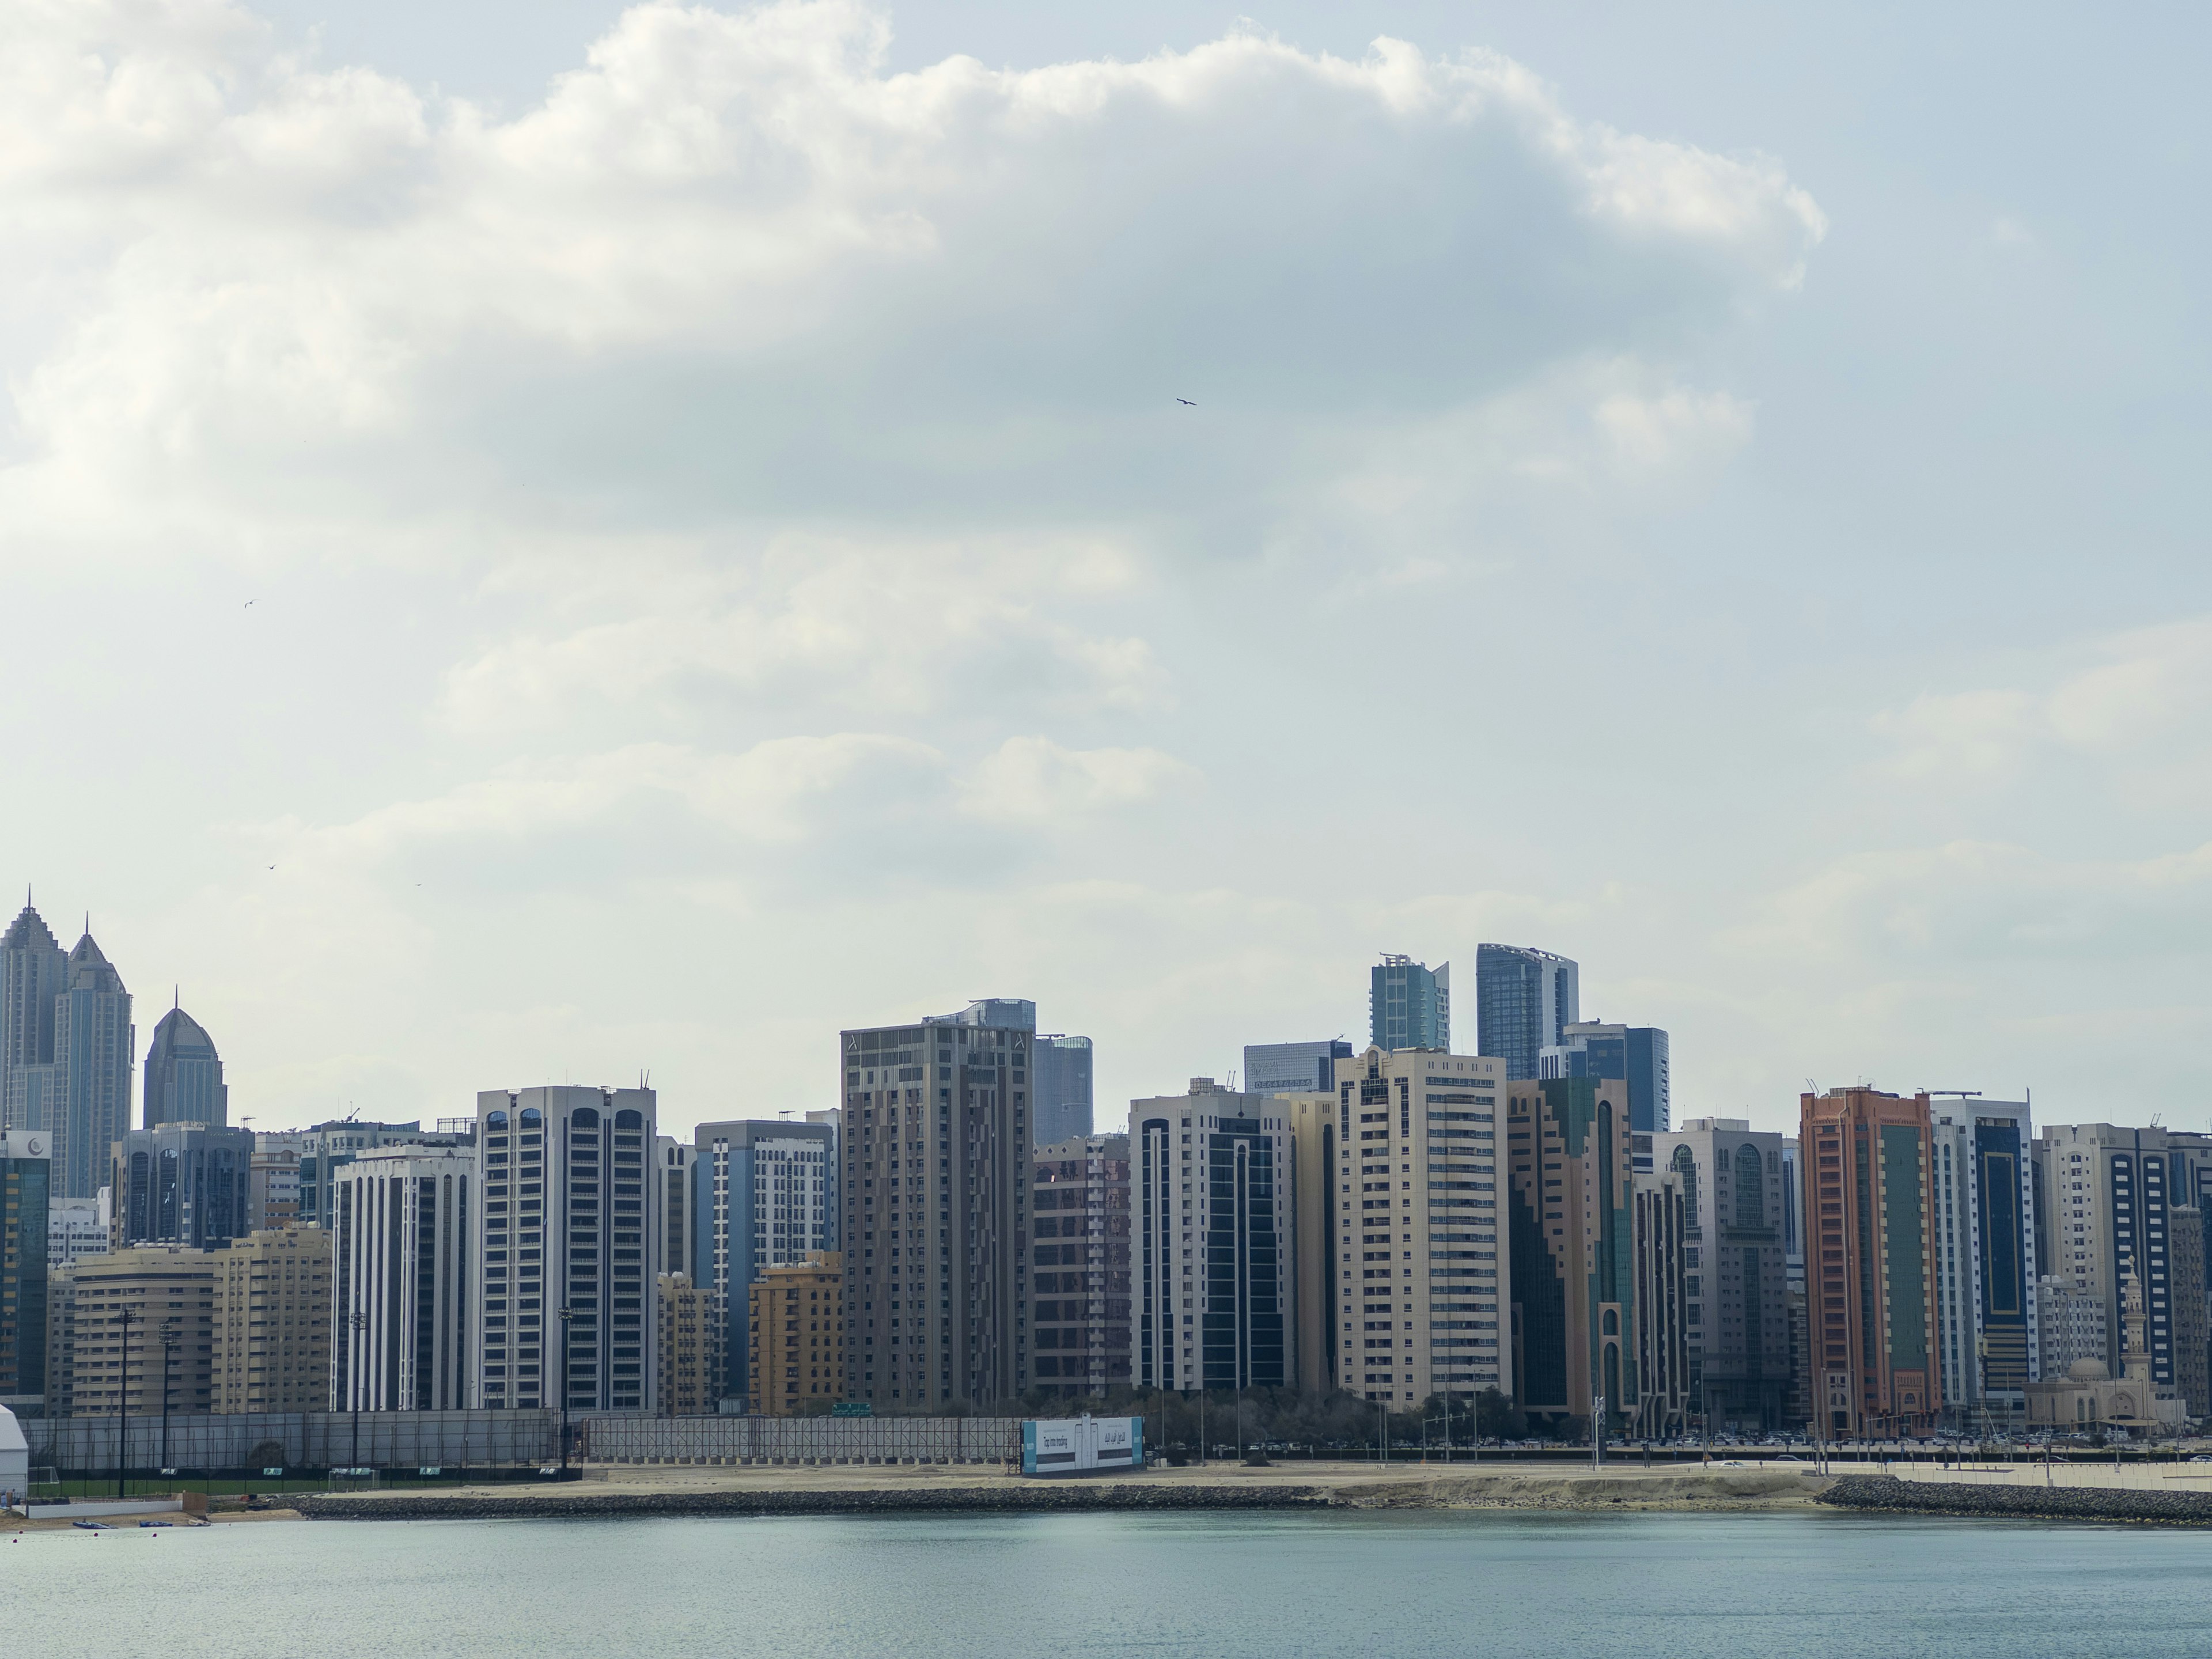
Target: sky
pixel 561 542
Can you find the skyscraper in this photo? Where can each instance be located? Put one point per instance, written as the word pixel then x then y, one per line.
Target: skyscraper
pixel 1080 1323
pixel 1986 1339
pixel 1524 1000
pixel 95 1050
pixel 183 1076
pixel 1061 1067
pixel 1418 1255
pixel 569 1228
pixel 1409 1005
pixel 764 1194
pixel 1574 1260
pixel 1636 1054
pixel 1736 1288
pixel 936 1178
pixel 1870 1303
pixel 404 1225
pixel 1212 1205
pixel 182 1184
pixel 25 1172
pixel 1293 1068
pixel 272 1322
pixel 1060 1104
pixel 33 968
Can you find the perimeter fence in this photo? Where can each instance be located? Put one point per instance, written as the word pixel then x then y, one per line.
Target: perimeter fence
pixel 742 1440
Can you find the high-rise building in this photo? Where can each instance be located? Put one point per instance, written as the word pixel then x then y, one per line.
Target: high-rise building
pixel 936 1188
pixel 2071 1324
pixel 1419 1256
pixel 2104 1196
pixel 1984 1265
pixel 272 1322
pixel 181 1183
pixel 165 1351
pixel 1524 1000
pixel 1288 1068
pixel 2192 1318
pixel 1409 1005
pixel 679 1240
pixel 1793 1215
pixel 75 1228
pixel 95 1053
pixel 1215 1246
pixel 1061 1068
pixel 34 969
pixel 404 1223
pixel 326 1148
pixel 1311 1115
pixel 569 1227
pixel 795 1318
pixel 1080 1282
pixel 1664 1402
pixel 65 1051
pixel 184 1075
pixel 1636 1055
pixel 1574 1260
pixel 1738 1288
pixel 1869 1203
pixel 1061 1095
pixel 694 1327
pixel 764 1194
pixel 273 1197
pixel 26 1175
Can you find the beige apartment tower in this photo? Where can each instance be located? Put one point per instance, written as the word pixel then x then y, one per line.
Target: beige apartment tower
pixel 165 1289
pixel 797 1328
pixel 694 1330
pixel 272 1322
pixel 1419 1255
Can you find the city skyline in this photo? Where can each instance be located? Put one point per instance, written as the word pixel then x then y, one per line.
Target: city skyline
pixel 649 671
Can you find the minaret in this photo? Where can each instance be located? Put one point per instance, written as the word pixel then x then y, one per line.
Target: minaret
pixel 2135 1354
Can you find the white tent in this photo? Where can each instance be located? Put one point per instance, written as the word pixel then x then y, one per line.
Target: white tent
pixel 15 1458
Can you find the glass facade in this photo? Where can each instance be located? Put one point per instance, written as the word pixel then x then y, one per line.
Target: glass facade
pixel 1409 1005
pixel 1524 1000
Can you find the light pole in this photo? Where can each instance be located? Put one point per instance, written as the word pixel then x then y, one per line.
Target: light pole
pixel 358 1319
pixel 125 1318
pixel 170 1337
pixel 567 1314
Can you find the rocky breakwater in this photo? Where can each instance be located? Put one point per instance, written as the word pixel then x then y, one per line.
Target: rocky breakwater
pixel 1027 1497
pixel 1887 1494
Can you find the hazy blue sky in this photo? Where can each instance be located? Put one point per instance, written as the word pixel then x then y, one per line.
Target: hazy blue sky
pixel 1713 490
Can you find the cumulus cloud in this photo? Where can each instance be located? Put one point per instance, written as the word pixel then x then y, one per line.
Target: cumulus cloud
pixel 732 265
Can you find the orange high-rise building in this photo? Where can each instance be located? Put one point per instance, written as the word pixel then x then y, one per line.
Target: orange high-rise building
pixel 1870 1263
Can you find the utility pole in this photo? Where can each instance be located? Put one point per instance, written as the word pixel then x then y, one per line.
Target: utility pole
pixel 122 1389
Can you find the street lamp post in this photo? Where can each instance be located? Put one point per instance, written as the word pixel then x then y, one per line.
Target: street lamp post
pixel 170 1337
pixel 567 1314
pixel 124 1318
pixel 358 1319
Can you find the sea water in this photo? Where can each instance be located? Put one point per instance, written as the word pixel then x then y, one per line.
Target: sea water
pixel 1789 1585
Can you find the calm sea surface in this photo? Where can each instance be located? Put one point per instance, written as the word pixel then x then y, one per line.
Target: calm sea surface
pixel 1384 1586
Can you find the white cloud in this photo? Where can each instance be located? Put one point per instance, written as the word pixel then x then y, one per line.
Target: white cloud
pixel 2137 705
pixel 1036 781
pixel 732 265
